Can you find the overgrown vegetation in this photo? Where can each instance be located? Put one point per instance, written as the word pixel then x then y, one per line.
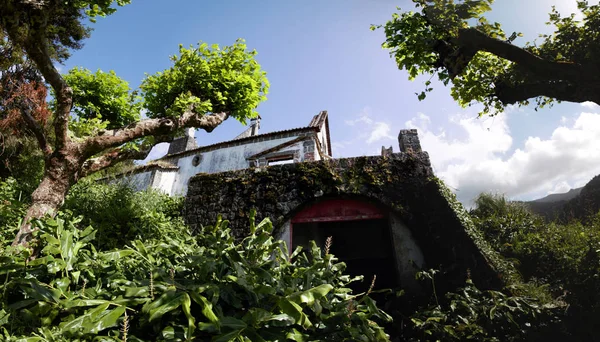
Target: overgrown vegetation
pixel 563 257
pixel 170 285
pixel 116 258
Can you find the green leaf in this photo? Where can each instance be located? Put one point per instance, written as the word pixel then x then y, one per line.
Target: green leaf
pixel 230 336
pixel 168 302
pixel 115 255
pixel 3 317
pixel 206 307
pixel 309 296
pixel 106 320
pixel 83 323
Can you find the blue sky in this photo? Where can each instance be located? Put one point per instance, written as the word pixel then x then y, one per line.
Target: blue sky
pixel 321 55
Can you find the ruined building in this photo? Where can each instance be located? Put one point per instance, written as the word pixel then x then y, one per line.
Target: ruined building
pixel 388 215
pixel 184 159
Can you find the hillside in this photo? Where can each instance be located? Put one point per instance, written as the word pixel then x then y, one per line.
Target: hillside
pixel 562 197
pixel 576 204
pixel 585 205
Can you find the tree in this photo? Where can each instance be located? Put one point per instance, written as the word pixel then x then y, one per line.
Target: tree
pixel 453 40
pixel 95 117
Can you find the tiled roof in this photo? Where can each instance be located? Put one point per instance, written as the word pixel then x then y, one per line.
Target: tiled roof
pixel 242 141
pixel 162 166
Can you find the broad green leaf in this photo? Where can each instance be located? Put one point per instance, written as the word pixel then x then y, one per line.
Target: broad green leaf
pixel 309 296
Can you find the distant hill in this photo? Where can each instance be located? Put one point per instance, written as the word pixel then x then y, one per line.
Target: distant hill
pixel 576 204
pixel 585 205
pixel 563 197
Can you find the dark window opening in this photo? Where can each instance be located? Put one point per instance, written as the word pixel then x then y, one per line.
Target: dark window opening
pixel 364 245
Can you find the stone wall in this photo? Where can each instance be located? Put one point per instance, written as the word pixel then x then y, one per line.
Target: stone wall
pixel 403 183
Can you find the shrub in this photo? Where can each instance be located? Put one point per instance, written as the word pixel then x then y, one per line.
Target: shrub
pixel 180 287
pixel 120 214
pixel 12 210
pixel 502 221
pixel 566 257
pixel 472 314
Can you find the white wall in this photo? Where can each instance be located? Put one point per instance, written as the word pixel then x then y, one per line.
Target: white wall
pixel 164 180
pixel 138 182
pixel 225 159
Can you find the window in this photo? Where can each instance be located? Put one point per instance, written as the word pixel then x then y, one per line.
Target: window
pixel 279 161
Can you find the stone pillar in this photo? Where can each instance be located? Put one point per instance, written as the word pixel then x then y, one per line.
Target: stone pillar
pixel 409 140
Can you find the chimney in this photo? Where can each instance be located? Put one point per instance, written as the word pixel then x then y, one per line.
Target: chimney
pixel 254 126
pixel 408 140
pixel 184 143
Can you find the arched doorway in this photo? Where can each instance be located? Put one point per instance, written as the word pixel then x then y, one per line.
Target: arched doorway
pixel 361 238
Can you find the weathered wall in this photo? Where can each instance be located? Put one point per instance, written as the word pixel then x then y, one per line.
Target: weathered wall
pixel 403 183
pixel 226 159
pixel 138 181
pixel 164 180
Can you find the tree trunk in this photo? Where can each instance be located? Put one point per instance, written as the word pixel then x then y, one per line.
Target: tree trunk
pixel 47 198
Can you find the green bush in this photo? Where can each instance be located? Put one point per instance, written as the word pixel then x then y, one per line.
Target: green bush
pixel 565 257
pixel 120 214
pixel 472 314
pixel 179 287
pixel 12 210
pixel 502 222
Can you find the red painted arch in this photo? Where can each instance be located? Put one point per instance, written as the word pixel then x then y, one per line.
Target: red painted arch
pixel 338 210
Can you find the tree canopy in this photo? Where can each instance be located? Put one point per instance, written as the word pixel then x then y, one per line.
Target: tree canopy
pixel 95 119
pixel 453 40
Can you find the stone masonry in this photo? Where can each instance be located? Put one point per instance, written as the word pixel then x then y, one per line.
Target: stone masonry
pixel 403 183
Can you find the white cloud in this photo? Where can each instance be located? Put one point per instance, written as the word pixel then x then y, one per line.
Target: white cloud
pixel 589 104
pixel 363 117
pixel 371 129
pixel 483 161
pixel 381 131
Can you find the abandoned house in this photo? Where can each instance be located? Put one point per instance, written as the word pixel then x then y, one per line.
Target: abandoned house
pixel 388 215
pixel 185 159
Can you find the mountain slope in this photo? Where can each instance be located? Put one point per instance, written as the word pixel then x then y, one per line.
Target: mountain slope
pixel 576 204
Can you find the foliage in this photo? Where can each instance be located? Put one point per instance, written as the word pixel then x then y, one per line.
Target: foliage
pixel 12 209
pixel 453 40
pixel 65 21
pixel 100 100
pixel 211 79
pixel 502 222
pixel 202 89
pixel 120 214
pixel 564 256
pixel 179 287
pixel 472 314
pixel 22 160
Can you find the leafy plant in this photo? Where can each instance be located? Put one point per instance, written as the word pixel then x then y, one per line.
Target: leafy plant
pixel 12 209
pixel 120 214
pixel 180 287
pixel 564 257
pixel 473 314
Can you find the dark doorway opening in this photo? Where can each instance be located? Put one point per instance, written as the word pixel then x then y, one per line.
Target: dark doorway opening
pixel 364 245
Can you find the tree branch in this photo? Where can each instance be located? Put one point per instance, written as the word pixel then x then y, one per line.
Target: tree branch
pixel 36 46
pixel 151 127
pixel 560 90
pixel 473 40
pixel 111 158
pixel 37 131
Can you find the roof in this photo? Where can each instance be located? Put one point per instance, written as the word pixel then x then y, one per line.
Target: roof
pixel 314 126
pixel 154 165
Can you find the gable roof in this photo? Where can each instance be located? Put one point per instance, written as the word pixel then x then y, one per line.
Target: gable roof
pixel 318 121
pixel 315 126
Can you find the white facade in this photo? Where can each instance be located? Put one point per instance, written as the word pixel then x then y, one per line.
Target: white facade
pixel 170 174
